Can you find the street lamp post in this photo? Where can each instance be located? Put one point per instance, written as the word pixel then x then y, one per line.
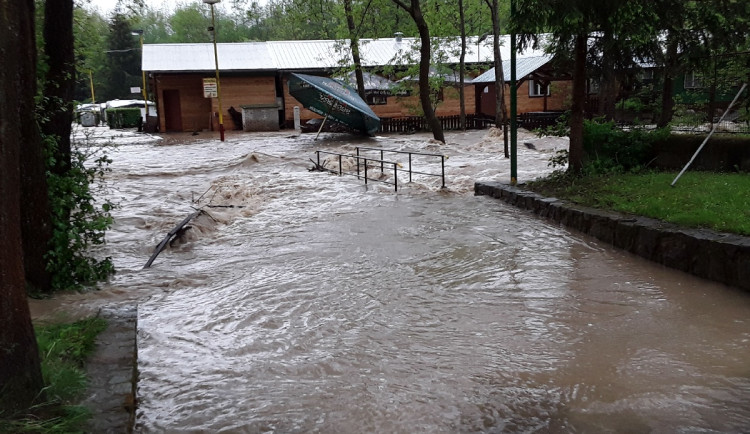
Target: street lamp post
pixel 212 31
pixel 513 103
pixel 139 33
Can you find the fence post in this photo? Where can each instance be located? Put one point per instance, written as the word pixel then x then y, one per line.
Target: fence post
pixel 358 162
pixel 442 164
pixel 341 168
pixel 409 166
pixel 395 176
pixel 365 171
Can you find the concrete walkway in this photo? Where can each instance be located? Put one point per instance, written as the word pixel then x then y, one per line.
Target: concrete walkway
pixel 112 371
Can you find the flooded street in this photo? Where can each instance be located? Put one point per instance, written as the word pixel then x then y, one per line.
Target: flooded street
pixel 307 302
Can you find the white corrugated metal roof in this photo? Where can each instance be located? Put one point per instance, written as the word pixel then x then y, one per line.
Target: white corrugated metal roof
pixel 241 56
pixel 296 55
pixel 304 54
pixel 524 67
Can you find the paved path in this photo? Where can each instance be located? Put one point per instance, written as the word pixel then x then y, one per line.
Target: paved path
pixel 112 372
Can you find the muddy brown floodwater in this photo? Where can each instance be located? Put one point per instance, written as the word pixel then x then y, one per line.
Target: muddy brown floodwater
pixel 317 304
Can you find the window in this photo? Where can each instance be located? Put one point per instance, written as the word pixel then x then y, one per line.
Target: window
pixel 538 89
pixel 693 80
pixel 376 99
pixel 646 75
pixel 593 86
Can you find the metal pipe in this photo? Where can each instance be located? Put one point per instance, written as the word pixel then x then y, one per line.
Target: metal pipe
pixel 91 81
pixel 218 80
pixel 513 102
pixel 321 126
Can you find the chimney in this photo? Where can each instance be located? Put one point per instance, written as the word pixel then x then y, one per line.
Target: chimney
pixel 399 36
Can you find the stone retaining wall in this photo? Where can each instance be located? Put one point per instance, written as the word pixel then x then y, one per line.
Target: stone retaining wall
pixel 720 257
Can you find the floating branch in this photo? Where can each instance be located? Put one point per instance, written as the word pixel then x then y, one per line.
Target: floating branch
pixel 178 230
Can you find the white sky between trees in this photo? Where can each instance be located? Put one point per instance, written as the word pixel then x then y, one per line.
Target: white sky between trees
pixel 105 7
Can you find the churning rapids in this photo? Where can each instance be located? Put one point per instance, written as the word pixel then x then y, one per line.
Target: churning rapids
pixel 316 304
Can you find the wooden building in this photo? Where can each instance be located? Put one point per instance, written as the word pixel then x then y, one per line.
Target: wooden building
pixel 540 88
pixel 181 79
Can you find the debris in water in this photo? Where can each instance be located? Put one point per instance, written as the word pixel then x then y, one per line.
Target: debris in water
pixel 177 232
pixel 317 167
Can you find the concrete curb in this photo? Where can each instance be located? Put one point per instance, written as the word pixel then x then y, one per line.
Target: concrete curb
pixel 112 372
pixel 721 257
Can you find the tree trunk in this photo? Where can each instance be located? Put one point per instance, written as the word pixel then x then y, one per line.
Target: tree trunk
pixel 20 375
pixel 575 153
pixel 608 93
pixel 608 81
pixel 424 67
pixel 711 109
pixel 60 80
pixel 354 43
pixel 501 113
pixel 667 100
pixel 462 67
pixel 58 90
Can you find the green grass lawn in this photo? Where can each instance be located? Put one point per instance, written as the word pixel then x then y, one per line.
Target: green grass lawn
pixel 699 199
pixel 63 349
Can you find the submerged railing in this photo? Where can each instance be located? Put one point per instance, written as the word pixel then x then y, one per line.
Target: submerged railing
pixel 410 170
pixel 364 163
pixel 358 174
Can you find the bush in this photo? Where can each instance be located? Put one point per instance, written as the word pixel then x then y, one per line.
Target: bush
pixel 633 105
pixel 124 117
pixel 609 148
pixel 79 219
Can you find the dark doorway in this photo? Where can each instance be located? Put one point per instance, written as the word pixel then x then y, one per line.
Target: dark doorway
pixel 172 110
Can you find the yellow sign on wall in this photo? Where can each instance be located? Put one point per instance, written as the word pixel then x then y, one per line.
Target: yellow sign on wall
pixel 210 89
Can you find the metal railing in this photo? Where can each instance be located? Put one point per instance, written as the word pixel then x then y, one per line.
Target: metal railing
pixel 358 173
pixel 364 162
pixel 410 154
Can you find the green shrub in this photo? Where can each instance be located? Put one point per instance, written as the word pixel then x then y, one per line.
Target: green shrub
pixel 124 117
pixel 79 219
pixel 633 105
pixel 609 148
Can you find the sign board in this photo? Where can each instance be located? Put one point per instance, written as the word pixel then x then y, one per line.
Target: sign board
pixel 135 90
pixel 210 89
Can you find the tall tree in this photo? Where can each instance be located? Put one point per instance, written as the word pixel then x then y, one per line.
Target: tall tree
pixel 90 30
pixel 20 376
pixel 501 112
pixel 123 60
pixel 37 222
pixel 462 65
pixel 415 11
pixel 354 44
pixel 569 23
pixel 189 24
